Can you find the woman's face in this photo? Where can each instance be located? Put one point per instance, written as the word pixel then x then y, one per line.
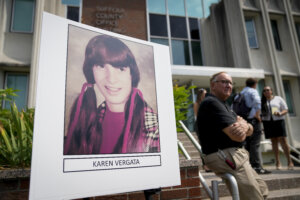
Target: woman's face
pixel 267 92
pixel 114 84
pixel 203 95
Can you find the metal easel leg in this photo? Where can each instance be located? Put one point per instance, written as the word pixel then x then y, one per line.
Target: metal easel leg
pixel 149 193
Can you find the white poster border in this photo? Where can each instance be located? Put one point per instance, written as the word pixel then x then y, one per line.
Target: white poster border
pixel 48 180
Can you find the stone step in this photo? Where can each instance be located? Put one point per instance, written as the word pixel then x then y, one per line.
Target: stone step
pixel 183 137
pixel 282 184
pixel 188 144
pixel 284 194
pixel 190 148
pixel 193 155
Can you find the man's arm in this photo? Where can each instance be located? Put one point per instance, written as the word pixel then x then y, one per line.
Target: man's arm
pixel 239 130
pixel 256 104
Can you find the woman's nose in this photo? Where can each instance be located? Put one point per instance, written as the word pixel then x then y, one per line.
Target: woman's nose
pixel 111 73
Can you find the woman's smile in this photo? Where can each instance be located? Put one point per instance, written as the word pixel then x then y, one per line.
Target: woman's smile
pixel 112 90
pixel 115 85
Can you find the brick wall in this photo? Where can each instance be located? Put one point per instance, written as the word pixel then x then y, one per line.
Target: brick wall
pixel 18 189
pixel 117 16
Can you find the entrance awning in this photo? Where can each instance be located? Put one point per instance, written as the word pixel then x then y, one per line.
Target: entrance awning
pixel 200 75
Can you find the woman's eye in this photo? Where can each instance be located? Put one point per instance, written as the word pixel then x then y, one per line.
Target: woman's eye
pixel 123 68
pixel 99 66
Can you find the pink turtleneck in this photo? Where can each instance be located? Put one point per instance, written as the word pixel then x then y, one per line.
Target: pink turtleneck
pixel 112 126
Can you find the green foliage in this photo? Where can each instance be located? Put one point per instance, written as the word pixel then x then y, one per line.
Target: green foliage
pixel 16 130
pixel 182 102
pixel 6 95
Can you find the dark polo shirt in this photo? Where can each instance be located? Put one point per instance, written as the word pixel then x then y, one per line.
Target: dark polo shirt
pixel 213 116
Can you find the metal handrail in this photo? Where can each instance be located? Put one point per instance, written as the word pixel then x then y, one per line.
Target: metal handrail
pixel 234 186
pixel 213 194
pixel 291 148
pixel 184 151
pixel 191 137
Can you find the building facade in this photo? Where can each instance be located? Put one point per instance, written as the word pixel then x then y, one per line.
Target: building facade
pixel 246 38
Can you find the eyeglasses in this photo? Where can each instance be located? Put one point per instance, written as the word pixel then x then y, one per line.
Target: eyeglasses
pixel 225 82
pixel 266 90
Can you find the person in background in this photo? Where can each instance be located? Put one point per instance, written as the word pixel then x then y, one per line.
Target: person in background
pixel 252 99
pixel 200 96
pixel 274 109
pixel 222 135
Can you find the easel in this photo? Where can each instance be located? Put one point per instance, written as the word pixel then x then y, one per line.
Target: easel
pixel 149 193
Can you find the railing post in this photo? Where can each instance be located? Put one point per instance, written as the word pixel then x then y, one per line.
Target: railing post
pixel 215 190
pixel 233 185
pixel 204 184
pixel 184 151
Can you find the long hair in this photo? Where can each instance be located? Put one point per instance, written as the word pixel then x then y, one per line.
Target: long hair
pixel 87 134
pixel 199 95
pixel 264 105
pixel 136 127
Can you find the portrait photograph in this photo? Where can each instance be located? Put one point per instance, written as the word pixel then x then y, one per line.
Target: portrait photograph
pixel 110 97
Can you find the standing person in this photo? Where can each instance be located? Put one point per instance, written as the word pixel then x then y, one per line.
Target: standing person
pixel 200 96
pixel 253 101
pixel 222 136
pixel 124 122
pixel 273 110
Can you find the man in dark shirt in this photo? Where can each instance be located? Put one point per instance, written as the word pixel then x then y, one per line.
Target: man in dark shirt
pixel 222 135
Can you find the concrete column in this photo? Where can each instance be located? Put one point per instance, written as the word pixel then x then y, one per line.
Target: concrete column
pixel 292 30
pixel 39 8
pixel 237 34
pixel 2 24
pixel 274 62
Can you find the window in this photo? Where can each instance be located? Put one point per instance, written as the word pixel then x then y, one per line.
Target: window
pixel 176 23
pixel 251 33
pixel 194 28
pixel 260 87
pixel 197 55
pixel 156 6
pixel 276 35
pixel 73 9
pixel 195 8
pixel 22 16
pixel 18 82
pixel 158 25
pixel 297 25
pixel 195 41
pixel 288 96
pixel 73 13
pixel 178 27
pixel 160 41
pixel 180 52
pixel 176 7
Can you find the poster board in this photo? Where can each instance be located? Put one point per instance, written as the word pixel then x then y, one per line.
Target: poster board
pixel 57 174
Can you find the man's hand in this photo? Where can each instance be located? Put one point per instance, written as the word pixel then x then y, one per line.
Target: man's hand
pixel 248 127
pixel 239 130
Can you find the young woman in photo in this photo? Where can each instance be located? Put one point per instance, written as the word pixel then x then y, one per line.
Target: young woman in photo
pixel 124 122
